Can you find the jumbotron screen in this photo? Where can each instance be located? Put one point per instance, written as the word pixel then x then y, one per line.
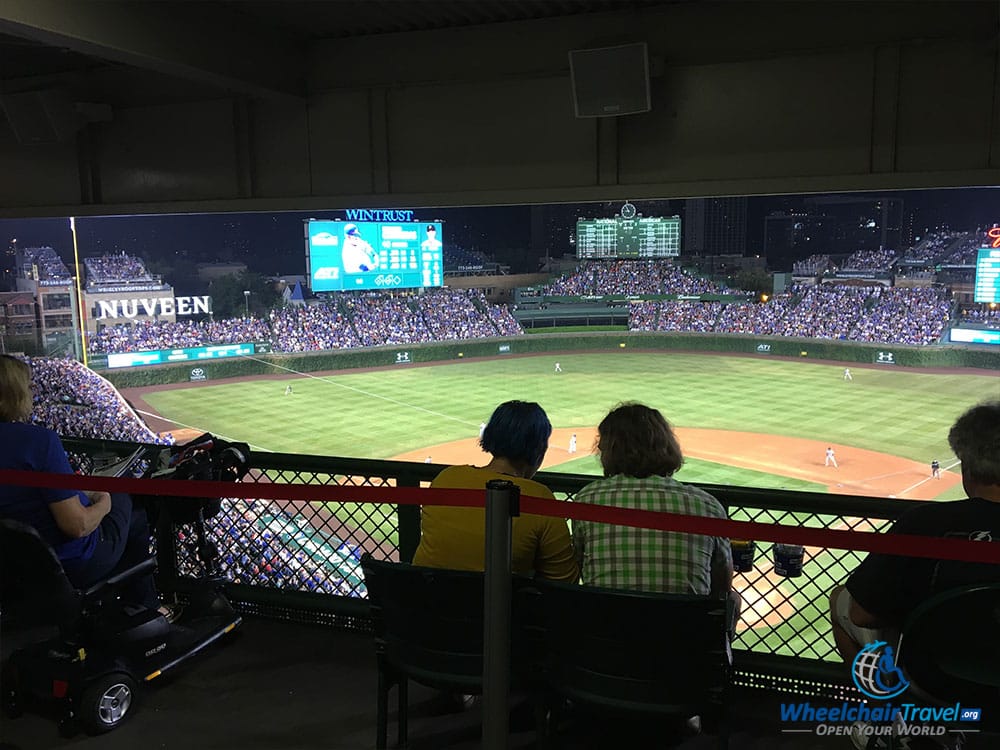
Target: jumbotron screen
pixel 343 255
pixel 988 275
pixel 639 237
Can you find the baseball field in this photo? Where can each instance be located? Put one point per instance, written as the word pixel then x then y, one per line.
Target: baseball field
pixel 743 421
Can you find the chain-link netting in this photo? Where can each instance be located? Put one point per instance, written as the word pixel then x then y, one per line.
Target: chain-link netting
pixel 298 545
pixel 316 546
pixel 790 616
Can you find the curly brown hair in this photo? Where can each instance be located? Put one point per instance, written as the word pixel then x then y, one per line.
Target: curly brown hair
pixel 15 389
pixel 637 441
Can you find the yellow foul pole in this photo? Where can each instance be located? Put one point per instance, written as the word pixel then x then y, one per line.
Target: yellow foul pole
pixel 79 291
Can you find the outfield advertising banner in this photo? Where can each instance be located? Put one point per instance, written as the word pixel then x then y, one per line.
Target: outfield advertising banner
pixel 504 349
pixel 885 358
pixel 402 358
pixel 763 348
pixel 975 336
pixel 170 356
pixel 197 374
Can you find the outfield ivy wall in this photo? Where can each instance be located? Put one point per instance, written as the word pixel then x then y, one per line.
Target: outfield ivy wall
pixel 401 356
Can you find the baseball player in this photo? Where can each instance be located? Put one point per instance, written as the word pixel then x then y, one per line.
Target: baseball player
pixel 358 255
pixel 432 243
pixel 572 443
pixel 847 374
pixel 936 469
pixel 288 389
pixel 558 368
pixel 830 458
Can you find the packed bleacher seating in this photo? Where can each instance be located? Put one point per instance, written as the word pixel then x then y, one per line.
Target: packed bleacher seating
pixel 380 319
pixel 77 402
pixel 115 268
pixel 50 266
pixel 934 244
pixel 632 277
pixel 811 266
pixel 263 545
pixel 145 335
pixel 671 315
pixel 824 312
pixel 453 314
pixel 904 316
pixel 759 319
pixel 352 321
pixel 983 316
pixel 310 329
pixel 870 260
pixel 963 251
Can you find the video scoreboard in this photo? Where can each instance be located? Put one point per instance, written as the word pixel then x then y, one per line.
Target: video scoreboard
pixel 988 275
pixel 343 255
pixel 620 237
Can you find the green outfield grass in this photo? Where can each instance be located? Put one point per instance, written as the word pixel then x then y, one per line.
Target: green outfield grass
pixel 706 472
pixel 378 414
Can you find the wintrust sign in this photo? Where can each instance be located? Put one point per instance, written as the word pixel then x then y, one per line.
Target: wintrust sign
pixel 132 308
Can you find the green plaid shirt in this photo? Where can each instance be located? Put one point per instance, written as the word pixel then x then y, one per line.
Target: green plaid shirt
pixel 623 557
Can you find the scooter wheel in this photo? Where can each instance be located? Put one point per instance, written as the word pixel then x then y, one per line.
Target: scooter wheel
pixel 107 702
pixel 12 700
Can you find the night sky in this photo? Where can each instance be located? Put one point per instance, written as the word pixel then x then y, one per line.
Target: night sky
pixel 272 244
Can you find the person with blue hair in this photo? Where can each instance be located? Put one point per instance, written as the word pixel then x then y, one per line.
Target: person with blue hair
pixel 516 437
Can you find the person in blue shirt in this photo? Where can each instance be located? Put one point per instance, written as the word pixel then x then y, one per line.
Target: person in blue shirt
pixel 94 534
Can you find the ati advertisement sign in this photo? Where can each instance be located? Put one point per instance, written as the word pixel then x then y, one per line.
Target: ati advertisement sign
pixel 131 308
pixel 504 349
pixel 763 348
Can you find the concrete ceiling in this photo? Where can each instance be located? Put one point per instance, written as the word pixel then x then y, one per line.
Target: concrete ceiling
pixel 122 53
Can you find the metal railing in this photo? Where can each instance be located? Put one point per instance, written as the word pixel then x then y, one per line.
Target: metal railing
pixel 300 560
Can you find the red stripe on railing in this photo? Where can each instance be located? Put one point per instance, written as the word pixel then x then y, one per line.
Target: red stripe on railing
pixel 898 544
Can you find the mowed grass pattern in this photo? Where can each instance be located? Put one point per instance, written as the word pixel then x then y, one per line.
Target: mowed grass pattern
pixel 377 414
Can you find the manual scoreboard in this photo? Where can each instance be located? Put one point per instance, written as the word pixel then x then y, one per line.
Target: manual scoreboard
pixel 988 275
pixel 620 237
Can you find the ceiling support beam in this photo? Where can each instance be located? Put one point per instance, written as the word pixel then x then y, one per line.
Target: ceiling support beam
pixel 189 41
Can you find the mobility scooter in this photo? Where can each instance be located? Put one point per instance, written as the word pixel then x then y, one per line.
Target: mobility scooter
pixel 88 649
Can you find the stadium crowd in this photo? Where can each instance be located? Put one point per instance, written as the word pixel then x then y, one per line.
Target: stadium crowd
pixel 77 402
pixel 981 315
pixel 906 316
pixel 963 252
pixel 811 266
pixel 110 268
pixel 871 260
pixel 632 277
pixel 354 320
pixel 871 313
pixel 50 266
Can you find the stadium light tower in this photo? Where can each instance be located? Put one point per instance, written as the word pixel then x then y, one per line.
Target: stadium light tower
pixel 246 301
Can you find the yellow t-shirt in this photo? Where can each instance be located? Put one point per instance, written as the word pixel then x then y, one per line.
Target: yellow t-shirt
pixel 455 538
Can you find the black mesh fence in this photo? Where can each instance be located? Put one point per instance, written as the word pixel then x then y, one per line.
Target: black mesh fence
pixel 272 549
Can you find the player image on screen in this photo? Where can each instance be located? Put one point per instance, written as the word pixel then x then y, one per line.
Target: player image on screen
pixel 358 255
pixel 432 243
pixel 374 254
